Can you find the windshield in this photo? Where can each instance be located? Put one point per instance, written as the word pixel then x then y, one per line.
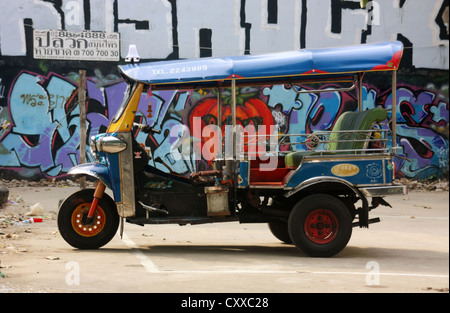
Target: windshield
pixel 127 95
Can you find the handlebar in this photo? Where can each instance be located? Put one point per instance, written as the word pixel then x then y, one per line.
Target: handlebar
pixel 146 128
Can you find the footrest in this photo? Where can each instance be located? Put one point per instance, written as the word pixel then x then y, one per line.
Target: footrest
pixel 371 221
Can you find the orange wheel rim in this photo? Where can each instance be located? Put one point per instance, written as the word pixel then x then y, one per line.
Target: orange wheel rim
pixel 91 229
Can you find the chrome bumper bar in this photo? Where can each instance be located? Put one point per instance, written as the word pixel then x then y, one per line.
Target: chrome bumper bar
pixel 384 190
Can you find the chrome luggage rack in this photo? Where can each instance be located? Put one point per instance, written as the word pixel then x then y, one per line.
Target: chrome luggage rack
pixel 373 141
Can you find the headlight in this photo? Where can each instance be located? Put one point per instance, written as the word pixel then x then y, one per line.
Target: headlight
pixel 110 144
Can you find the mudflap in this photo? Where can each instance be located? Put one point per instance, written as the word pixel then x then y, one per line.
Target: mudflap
pixel 376 201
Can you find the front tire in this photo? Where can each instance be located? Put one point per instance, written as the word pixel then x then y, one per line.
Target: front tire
pixel 72 220
pixel 320 225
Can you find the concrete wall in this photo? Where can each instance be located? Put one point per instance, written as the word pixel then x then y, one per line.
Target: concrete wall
pixel 39 117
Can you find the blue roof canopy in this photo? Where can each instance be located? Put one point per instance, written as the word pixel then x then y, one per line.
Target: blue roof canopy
pixel 269 67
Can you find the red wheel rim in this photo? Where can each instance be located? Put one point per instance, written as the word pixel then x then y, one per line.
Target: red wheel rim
pixel 91 229
pixel 321 226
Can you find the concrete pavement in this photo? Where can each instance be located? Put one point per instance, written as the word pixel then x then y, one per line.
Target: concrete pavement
pixel 406 252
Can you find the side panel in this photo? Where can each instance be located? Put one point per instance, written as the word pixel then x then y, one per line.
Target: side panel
pixel 359 171
pixel 243 174
pixel 179 198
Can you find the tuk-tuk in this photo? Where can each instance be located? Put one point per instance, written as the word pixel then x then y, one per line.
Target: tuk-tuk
pixel 311 195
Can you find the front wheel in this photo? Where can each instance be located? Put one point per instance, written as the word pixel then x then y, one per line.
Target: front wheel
pixel 320 225
pixel 72 223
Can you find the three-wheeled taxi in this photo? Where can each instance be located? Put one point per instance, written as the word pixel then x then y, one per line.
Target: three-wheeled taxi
pixel 310 194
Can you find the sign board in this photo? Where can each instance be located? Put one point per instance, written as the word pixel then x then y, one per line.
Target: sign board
pixel 86 46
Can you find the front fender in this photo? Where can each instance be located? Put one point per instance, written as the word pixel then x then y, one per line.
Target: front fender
pixel 96 170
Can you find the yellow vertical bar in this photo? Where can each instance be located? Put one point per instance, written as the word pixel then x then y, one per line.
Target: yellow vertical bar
pixel 125 122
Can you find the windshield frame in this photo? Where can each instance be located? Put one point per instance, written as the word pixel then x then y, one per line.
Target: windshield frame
pixel 129 92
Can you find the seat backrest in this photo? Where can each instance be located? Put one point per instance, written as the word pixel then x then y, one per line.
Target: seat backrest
pixel 354 121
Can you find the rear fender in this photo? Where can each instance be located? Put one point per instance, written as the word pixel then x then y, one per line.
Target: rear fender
pixel 321 180
pixel 337 184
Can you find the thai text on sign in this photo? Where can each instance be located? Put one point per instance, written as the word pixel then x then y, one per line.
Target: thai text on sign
pixel 86 46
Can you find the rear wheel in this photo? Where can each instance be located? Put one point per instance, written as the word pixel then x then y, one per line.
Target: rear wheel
pixel 280 230
pixel 320 225
pixel 81 234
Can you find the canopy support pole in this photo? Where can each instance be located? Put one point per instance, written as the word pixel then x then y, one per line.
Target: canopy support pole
pixel 394 111
pixel 230 138
pixel 233 114
pixel 360 85
pixel 219 114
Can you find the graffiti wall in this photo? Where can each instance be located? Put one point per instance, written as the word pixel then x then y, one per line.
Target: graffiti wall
pixel 39 112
